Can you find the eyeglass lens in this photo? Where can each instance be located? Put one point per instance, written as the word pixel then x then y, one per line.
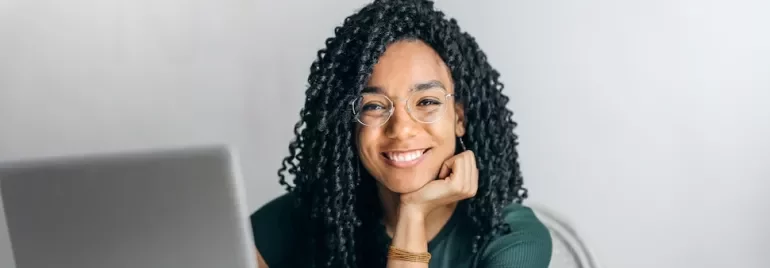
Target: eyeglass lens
pixel 426 106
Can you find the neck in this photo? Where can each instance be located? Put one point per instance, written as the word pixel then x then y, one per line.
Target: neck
pixel 434 221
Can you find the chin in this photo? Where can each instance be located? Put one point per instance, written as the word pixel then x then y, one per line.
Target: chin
pixel 405 186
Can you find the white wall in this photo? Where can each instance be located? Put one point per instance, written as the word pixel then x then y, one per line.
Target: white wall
pixel 644 123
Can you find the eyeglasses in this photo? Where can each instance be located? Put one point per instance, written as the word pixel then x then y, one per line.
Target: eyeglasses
pixel 425 106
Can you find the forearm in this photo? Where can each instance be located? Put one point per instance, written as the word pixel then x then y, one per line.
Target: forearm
pixel 409 235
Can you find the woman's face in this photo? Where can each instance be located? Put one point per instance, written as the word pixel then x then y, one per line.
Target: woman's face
pixel 404 154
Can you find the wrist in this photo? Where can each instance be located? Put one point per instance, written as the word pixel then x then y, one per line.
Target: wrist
pixel 411 213
pixel 410 230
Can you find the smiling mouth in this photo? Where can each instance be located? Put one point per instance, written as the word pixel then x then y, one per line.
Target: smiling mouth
pixel 405 156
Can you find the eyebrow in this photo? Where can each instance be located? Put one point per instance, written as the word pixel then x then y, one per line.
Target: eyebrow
pixel 416 87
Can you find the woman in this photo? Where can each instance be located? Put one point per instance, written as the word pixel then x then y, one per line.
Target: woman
pixel 404 155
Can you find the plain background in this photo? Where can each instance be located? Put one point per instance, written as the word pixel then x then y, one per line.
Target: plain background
pixel 643 123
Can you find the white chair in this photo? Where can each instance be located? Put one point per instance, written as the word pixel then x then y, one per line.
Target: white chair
pixel 568 249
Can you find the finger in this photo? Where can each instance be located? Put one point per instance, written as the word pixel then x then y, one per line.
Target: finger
pixel 474 172
pixel 474 176
pixel 463 178
pixel 468 161
pixel 469 175
pixel 461 164
pixel 447 168
pixel 445 171
pixel 457 178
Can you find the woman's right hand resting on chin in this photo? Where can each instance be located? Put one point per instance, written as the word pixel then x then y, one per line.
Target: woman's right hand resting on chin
pixel 459 181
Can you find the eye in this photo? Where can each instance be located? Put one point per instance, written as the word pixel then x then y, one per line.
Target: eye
pixel 428 102
pixel 372 107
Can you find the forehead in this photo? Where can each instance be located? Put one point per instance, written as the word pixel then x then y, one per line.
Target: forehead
pixel 406 64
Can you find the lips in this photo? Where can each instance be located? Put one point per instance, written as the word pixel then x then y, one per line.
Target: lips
pixel 404 156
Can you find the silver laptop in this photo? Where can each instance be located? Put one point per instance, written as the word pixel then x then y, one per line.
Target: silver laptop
pixel 172 208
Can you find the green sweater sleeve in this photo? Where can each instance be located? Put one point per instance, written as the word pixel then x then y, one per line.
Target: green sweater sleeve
pixel 528 245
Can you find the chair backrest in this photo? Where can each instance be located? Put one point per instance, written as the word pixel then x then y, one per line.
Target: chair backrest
pixel 569 251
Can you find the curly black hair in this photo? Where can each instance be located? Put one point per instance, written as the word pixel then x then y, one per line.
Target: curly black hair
pixel 329 180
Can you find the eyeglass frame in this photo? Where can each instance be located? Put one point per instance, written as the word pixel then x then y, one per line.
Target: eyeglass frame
pixel 393 107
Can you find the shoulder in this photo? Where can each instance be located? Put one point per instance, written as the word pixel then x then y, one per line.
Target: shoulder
pixel 276 229
pixel 528 244
pixel 275 213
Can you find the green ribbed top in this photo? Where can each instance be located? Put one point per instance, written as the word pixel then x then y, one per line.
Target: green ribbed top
pixel 279 236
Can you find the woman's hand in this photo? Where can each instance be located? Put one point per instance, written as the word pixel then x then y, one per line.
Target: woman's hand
pixel 458 180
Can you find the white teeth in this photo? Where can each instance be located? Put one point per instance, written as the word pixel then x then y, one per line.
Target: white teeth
pixel 405 156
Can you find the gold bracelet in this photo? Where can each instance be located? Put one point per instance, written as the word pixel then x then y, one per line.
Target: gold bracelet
pixel 403 255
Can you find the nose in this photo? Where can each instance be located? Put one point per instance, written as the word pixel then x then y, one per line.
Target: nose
pixel 400 126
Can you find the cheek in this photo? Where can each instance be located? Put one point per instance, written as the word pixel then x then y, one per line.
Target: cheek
pixel 443 130
pixel 367 143
pixel 443 134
